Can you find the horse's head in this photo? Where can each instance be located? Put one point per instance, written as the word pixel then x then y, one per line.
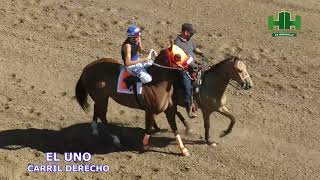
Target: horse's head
pixel 173 57
pixel 239 73
pixel 167 64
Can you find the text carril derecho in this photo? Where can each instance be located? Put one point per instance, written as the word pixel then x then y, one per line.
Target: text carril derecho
pixel 54 163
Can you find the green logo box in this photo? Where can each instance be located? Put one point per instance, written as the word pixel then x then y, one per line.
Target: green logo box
pixel 284 22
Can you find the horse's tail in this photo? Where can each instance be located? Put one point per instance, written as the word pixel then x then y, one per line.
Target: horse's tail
pixel 82 95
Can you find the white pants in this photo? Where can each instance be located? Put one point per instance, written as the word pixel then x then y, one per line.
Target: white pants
pixel 140 71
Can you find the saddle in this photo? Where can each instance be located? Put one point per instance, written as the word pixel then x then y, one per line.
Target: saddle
pixel 195 74
pixel 131 82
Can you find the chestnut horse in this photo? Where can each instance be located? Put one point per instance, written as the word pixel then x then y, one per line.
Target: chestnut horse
pixel 99 80
pixel 211 97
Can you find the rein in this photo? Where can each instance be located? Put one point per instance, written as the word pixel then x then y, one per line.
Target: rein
pixel 152 51
pixel 236 86
pixel 166 67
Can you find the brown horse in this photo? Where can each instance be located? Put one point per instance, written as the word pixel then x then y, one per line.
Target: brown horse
pixel 99 80
pixel 212 97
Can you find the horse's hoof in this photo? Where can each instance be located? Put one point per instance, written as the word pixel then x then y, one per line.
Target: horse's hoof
pixel 157 130
pixel 224 133
pixel 95 133
pixel 192 116
pixel 146 147
pixel 185 152
pixel 212 143
pixel 189 131
pixel 116 141
pixel 117 145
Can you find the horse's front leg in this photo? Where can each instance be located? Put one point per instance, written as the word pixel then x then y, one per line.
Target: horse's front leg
pixel 149 122
pixel 224 111
pixel 156 127
pixel 170 114
pixel 185 123
pixel 206 121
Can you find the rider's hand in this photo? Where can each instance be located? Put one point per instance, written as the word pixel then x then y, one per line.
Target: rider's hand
pixel 185 68
pixel 139 41
pixel 201 54
pixel 145 60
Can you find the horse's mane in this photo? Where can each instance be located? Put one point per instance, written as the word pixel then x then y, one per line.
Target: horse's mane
pixel 217 66
pixel 159 60
pixel 161 53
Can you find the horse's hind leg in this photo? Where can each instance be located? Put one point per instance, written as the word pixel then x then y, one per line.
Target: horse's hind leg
pixel 94 124
pixel 224 111
pixel 100 111
pixel 149 122
pixel 103 109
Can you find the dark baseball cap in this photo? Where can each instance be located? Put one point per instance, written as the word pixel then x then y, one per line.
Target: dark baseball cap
pixel 188 27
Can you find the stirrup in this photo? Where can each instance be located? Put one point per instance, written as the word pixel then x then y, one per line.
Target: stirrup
pixel 192 115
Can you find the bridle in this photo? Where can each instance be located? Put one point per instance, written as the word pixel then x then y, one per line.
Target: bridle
pixel 237 86
pixel 159 65
pixel 232 83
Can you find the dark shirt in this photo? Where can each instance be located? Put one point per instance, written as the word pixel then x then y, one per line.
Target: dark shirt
pixel 134 51
pixel 188 47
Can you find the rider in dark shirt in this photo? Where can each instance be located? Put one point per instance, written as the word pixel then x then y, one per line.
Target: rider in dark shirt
pixel 185 42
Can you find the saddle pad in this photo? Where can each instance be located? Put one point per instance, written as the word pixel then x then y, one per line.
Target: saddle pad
pixel 122 86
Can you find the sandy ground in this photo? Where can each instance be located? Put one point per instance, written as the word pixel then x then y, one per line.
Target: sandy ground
pixel 44 45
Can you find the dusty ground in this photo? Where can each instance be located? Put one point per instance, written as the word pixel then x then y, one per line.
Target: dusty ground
pixel 44 44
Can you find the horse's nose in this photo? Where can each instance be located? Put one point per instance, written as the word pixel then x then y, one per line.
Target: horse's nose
pixel 247 86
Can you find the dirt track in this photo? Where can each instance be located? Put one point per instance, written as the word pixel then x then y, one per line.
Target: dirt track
pixel 46 43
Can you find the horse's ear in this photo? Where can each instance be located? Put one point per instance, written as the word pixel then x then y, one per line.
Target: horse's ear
pixel 235 58
pixel 171 44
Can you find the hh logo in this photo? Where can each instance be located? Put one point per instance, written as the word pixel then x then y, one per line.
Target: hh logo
pixel 284 23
